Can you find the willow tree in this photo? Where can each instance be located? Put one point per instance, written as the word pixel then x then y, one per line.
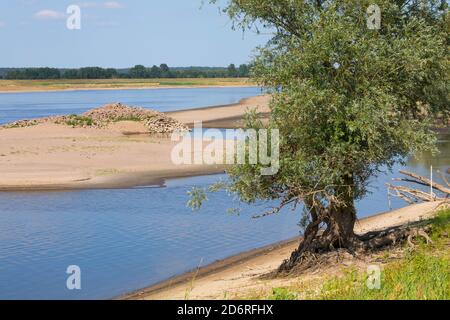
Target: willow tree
pixel 350 100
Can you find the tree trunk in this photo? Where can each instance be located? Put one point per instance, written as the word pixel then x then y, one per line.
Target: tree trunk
pixel 339 218
pixel 342 222
pixel 339 233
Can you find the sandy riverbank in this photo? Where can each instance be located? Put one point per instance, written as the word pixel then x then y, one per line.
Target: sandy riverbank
pixel 21 86
pixel 227 116
pixel 149 87
pixel 239 276
pixel 57 156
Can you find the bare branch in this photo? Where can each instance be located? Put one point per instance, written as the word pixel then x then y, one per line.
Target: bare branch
pixel 424 181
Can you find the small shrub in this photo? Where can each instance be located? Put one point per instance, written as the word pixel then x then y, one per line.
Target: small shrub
pixel 282 294
pixel 128 118
pixel 78 121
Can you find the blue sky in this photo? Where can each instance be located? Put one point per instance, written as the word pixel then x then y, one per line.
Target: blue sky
pixel 121 34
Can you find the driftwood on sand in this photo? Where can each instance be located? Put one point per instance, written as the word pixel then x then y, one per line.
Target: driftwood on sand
pixel 437 192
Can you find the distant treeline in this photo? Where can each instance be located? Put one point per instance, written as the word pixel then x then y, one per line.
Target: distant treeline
pixel 137 72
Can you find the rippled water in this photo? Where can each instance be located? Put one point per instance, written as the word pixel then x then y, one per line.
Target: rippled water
pixel 127 239
pixel 121 239
pixel 18 106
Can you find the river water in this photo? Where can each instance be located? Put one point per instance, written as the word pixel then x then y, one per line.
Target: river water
pixel 19 106
pixel 126 239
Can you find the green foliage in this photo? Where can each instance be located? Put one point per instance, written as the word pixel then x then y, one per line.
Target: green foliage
pixel 419 277
pixel 93 73
pixel 348 101
pixel 441 222
pixel 128 118
pixel 197 197
pixel 78 121
pixel 282 294
pixel 232 71
pixel 33 73
pixel 136 72
pixel 423 274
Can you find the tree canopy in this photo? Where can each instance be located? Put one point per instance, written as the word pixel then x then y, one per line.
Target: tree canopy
pixel 349 101
pixel 136 72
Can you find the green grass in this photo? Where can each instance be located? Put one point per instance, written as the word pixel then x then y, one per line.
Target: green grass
pixel 441 223
pixel 423 274
pixel 420 276
pixel 282 294
pixel 80 84
pixel 128 118
pixel 78 121
pixel 20 124
pixel 184 83
pixel 75 120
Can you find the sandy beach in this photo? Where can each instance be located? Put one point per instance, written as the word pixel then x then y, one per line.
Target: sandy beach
pixel 240 276
pixel 228 116
pixel 56 156
pixel 21 86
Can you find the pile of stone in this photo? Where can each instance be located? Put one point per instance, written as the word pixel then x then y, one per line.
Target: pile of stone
pixel 155 121
pixel 24 123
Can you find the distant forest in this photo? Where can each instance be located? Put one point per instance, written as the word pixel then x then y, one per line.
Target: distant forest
pixel 136 72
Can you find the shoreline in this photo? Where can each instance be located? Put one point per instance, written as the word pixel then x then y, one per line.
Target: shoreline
pixel 129 88
pixel 150 86
pixel 227 116
pixel 125 181
pixel 49 157
pixel 237 273
pixel 207 270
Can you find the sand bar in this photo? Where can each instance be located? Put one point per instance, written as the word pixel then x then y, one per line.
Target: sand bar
pixel 52 156
pixel 20 86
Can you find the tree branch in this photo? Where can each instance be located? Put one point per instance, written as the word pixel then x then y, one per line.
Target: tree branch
pixel 424 181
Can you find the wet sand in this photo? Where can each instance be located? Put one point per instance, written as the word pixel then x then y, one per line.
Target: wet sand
pixel 239 276
pixel 228 116
pixel 52 156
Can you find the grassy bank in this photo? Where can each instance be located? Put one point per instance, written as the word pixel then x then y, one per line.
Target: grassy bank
pixel 90 84
pixel 422 273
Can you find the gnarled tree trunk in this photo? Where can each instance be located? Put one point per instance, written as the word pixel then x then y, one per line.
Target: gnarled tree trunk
pixel 332 226
pixel 341 224
pixel 339 217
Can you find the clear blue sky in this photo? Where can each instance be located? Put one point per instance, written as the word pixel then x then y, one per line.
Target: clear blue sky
pixel 121 34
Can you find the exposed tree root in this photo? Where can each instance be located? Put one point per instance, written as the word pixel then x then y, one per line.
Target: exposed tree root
pixel 393 236
pixel 320 252
pixel 332 223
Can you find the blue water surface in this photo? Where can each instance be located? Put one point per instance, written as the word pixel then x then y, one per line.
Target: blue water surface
pixel 127 239
pixel 19 106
